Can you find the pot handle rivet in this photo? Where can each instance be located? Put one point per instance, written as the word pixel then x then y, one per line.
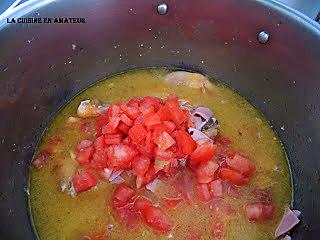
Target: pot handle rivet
pixel 263 37
pixel 162 8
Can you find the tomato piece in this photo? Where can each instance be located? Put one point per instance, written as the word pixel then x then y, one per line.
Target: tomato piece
pixel 177 116
pixel 231 153
pixel 99 143
pixel 150 175
pixel 41 159
pixel 146 109
pixel 137 133
pixel 138 120
pixel 124 118
pixel 164 141
pixel 141 204
pixel 123 128
pixel 122 195
pixel 166 155
pixel 151 101
pixel 233 176
pixel 204 152
pixel 216 188
pixel 206 171
pixel 101 120
pixel 84 155
pixel 222 140
pixel 84 181
pixel 111 126
pixel 157 219
pixel 241 165
pixel 204 192
pixel 259 211
pixel 184 183
pixel 164 113
pixel 172 202
pixel 127 215
pixel 84 144
pixel 113 111
pixel 151 119
pixel 140 165
pixel 120 155
pixel 134 102
pixel 169 126
pixel 172 101
pixel 185 142
pixel 99 159
pixel 110 139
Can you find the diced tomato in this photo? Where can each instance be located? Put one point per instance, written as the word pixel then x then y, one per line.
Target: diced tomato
pixel 146 109
pixel 222 140
pixel 84 155
pixel 151 101
pixel 99 159
pixel 140 165
pixel 164 141
pixel 177 116
pixel 120 155
pixel 41 159
pixel 217 229
pixel 84 144
pixel 259 211
pixel 123 128
pixel 185 142
pixel 231 153
pixel 216 188
pixel 101 120
pixel 204 152
pixel 124 118
pixel 206 171
pixel 105 173
pixel 204 192
pixel 147 149
pixel 151 119
pixel 163 154
pixel 99 143
pixel 137 133
pixel 164 113
pixel 110 139
pixel 134 102
pixel 233 176
pixel 157 219
pixel 172 101
pixel 241 165
pixel 122 195
pixel 84 181
pixel 141 204
pixel 133 112
pixel 172 202
pixel 111 126
pixel 150 175
pixel 170 126
pixel 127 215
pixel 113 111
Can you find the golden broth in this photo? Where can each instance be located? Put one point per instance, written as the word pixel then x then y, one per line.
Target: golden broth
pixel 57 215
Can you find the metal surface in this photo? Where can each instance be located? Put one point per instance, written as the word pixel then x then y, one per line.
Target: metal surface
pixel 263 37
pixel 311 8
pixel 40 71
pixel 162 8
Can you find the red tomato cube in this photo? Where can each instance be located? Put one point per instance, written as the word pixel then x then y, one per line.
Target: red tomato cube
pixel 137 133
pixel 241 165
pixel 164 141
pixel 185 142
pixel 206 171
pixel 233 176
pixel 84 181
pixel 204 152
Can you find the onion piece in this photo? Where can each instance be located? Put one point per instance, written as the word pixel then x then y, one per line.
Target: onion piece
pixel 198 135
pixel 286 237
pixel 288 221
pixel 151 186
pixel 204 112
pixel 115 174
pixel 118 180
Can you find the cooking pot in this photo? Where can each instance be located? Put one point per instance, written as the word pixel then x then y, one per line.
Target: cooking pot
pixel 43 66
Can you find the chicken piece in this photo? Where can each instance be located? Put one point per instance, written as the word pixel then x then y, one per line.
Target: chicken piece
pixel 90 108
pixel 192 80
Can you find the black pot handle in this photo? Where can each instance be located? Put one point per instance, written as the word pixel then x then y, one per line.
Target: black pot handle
pixel 311 8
